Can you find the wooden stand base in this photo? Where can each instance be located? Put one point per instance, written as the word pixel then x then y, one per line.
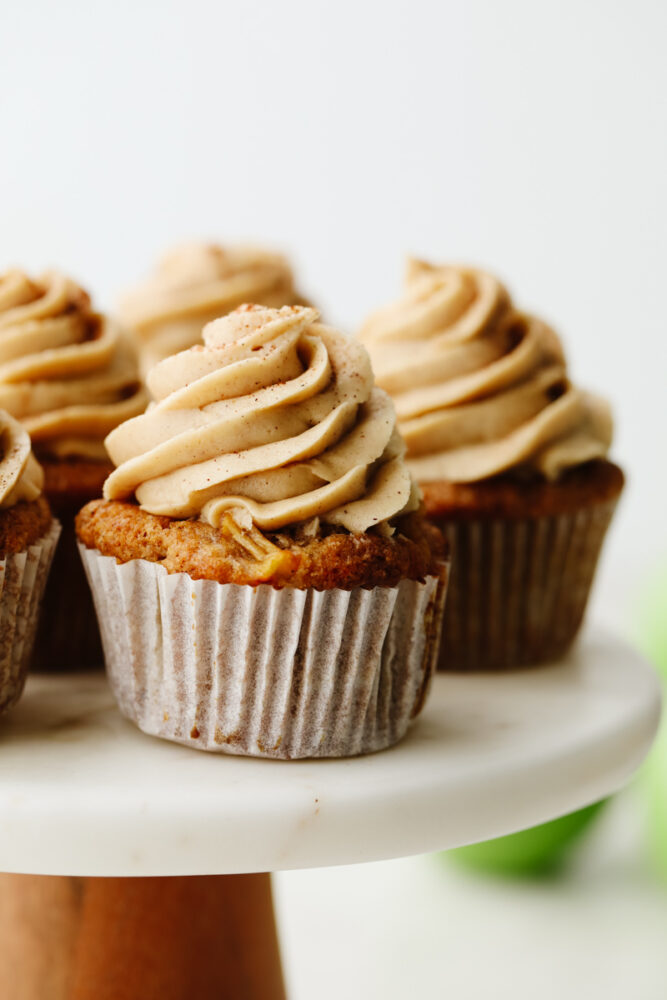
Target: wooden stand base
pixel 139 938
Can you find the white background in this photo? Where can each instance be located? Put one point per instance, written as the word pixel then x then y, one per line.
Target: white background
pixel 527 137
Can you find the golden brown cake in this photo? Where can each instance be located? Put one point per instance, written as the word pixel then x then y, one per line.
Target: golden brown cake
pixel 265 580
pixel 230 553
pixel 23 524
pixel 583 486
pixel 511 458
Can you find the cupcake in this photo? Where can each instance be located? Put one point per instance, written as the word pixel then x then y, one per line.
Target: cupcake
pixel 195 284
pixel 511 458
pixel 70 377
pixel 265 581
pixel 28 536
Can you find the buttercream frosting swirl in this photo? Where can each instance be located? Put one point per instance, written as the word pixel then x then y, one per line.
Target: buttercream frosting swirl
pixel 197 283
pixel 21 475
pixel 66 372
pixel 480 388
pixel 275 419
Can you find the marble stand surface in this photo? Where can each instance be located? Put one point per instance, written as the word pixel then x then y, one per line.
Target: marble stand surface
pixel 82 792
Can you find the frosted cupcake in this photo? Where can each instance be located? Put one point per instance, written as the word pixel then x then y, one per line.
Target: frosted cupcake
pixel 265 582
pixel 28 536
pixel 69 376
pixel 511 458
pixel 195 284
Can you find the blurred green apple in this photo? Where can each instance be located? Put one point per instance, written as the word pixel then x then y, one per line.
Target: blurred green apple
pixel 652 634
pixel 655 784
pixel 537 851
pixel 652 637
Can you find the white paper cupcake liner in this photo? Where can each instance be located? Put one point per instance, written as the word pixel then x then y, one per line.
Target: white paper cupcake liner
pixel 264 672
pixel 22 581
pixel 519 587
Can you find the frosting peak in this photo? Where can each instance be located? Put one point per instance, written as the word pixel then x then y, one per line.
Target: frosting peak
pixel 21 476
pixel 274 418
pixel 195 284
pixel 65 371
pixel 480 388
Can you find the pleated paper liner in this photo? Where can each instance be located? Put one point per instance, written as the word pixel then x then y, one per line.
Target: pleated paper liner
pixel 263 672
pixel 518 588
pixel 22 581
pixel 69 637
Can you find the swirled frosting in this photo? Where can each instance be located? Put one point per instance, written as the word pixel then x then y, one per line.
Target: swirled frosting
pixel 66 372
pixel 479 387
pixel 21 475
pixel 197 283
pixel 276 419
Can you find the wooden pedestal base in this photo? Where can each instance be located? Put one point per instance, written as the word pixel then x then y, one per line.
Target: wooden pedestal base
pixel 138 938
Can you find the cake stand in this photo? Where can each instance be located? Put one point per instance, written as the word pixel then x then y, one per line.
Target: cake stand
pixel 159 850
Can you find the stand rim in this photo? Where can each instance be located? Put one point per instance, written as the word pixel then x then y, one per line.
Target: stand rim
pixel 82 792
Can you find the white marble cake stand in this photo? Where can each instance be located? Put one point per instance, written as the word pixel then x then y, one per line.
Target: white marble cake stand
pixel 83 793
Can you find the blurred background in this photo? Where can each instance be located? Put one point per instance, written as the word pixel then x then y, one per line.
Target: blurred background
pixel 528 138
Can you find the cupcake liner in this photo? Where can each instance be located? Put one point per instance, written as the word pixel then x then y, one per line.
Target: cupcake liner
pixel 69 637
pixel 264 672
pixel 519 587
pixel 22 581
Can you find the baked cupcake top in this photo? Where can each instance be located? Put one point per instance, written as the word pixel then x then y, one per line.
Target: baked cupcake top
pixel 274 418
pixel 197 283
pixel 21 475
pixel 65 371
pixel 480 388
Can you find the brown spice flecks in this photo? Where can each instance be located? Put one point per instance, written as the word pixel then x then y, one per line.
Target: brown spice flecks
pixel 228 739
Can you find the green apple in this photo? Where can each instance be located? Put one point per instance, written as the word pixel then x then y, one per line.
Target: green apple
pixel 537 851
pixel 655 786
pixel 652 637
pixel 652 632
